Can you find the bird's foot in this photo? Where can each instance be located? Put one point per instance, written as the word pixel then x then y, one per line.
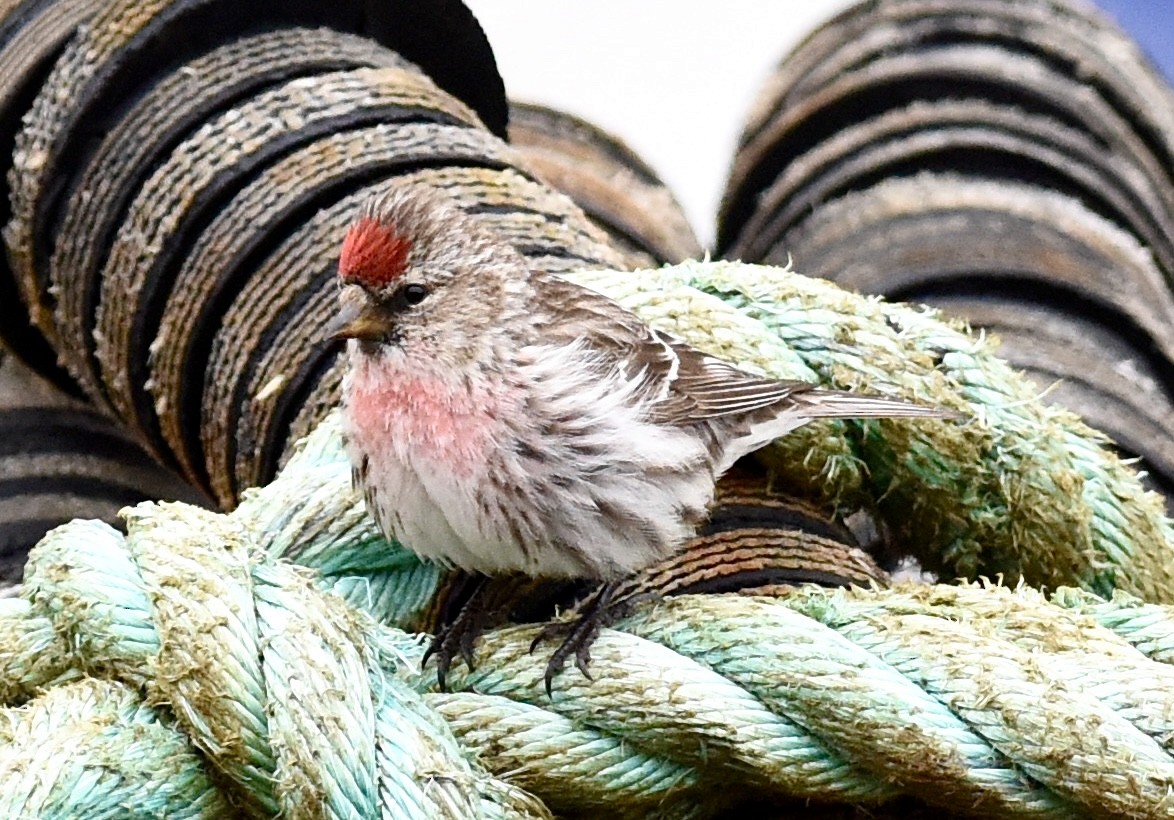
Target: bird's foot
pixel 463 619
pixel 579 633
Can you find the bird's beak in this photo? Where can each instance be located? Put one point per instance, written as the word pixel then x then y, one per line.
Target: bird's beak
pixel 359 320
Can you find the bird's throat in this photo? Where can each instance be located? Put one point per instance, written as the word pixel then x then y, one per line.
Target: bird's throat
pixel 396 412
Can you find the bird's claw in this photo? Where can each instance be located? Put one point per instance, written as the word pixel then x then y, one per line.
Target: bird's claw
pixel 447 644
pixel 579 634
pixel 460 626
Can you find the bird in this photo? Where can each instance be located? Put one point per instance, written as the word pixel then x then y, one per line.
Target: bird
pixel 501 419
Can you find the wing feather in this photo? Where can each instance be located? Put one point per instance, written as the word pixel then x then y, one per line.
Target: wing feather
pixel 681 384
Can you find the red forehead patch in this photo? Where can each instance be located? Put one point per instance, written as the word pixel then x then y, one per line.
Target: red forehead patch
pixel 373 254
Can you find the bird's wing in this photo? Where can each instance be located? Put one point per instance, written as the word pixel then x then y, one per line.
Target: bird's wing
pixel 681 384
pixel 718 388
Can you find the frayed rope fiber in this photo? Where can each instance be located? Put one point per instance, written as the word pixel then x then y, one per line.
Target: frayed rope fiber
pixel 188 667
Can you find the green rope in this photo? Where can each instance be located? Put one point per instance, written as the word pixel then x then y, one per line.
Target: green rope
pixel 223 639
pixel 94 749
pixel 578 763
pixel 188 660
pixel 1015 706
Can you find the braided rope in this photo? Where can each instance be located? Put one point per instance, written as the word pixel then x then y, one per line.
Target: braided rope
pixel 312 704
pixel 58 753
pixel 1016 706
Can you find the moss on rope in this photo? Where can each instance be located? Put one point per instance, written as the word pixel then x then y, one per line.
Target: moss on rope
pixel 191 648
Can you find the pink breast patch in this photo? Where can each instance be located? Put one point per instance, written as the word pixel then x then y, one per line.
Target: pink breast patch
pixel 423 416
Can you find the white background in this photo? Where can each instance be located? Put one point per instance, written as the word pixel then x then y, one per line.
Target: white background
pixel 674 80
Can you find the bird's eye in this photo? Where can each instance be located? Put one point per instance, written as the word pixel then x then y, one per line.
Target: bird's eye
pixel 414 294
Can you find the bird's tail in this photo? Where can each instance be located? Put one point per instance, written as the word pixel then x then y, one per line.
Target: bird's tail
pixel 839 404
pixel 818 403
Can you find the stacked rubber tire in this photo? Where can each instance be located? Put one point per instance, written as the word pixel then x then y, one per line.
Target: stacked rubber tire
pixel 178 179
pixel 617 190
pixel 60 460
pixel 1009 161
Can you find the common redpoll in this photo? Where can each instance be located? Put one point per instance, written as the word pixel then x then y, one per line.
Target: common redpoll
pixel 502 419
